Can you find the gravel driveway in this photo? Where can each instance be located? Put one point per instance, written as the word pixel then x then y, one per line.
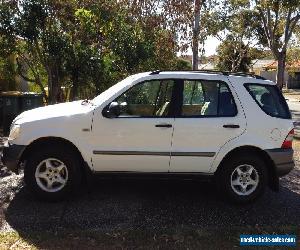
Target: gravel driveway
pixel 149 206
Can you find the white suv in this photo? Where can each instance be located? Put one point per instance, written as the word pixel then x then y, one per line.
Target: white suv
pixel 235 128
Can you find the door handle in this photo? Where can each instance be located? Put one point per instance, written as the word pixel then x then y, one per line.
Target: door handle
pixel 163 125
pixel 231 126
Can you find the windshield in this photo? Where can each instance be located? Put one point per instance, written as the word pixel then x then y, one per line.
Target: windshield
pixel 115 88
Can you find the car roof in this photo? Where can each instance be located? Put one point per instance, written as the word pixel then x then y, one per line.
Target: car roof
pixel 167 73
pixel 226 73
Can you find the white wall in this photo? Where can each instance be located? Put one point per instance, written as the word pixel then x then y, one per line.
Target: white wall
pixel 271 75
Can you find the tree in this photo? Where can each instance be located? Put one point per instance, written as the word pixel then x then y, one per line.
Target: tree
pixel 188 21
pixel 88 45
pixel 37 41
pixel 7 74
pixel 83 60
pixel 238 23
pixel 145 37
pixel 181 64
pixel 196 32
pixel 235 56
pixel 279 19
pixel 191 21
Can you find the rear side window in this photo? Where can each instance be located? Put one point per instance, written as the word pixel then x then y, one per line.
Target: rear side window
pixel 207 99
pixel 270 100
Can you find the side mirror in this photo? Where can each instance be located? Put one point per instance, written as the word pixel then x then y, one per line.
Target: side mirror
pixel 113 110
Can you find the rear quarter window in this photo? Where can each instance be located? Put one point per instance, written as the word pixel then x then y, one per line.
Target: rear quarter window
pixel 270 99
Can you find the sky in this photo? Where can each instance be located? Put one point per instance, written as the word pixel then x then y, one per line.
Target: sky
pixel 211 45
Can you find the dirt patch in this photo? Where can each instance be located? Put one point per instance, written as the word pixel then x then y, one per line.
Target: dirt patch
pixel 3 170
pixel 131 239
pixel 10 183
pixel 292 180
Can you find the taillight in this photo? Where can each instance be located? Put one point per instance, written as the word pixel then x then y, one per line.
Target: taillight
pixel 288 142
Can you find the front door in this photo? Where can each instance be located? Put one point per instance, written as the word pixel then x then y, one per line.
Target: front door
pixel 209 117
pixel 139 139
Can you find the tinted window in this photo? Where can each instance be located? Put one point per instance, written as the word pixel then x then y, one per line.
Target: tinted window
pixel 147 99
pixel 270 99
pixel 207 98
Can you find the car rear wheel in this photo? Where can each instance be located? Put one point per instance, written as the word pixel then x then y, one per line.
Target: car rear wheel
pixel 242 178
pixel 53 173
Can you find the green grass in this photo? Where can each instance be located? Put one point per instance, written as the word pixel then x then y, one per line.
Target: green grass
pixel 12 240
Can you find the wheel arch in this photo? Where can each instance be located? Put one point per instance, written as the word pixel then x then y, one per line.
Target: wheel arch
pixel 273 179
pixel 43 141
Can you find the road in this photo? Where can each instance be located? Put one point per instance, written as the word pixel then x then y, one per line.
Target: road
pixel 294 107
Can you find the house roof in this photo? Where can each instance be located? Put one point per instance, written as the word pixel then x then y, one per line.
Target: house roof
pixel 260 63
pixel 293 65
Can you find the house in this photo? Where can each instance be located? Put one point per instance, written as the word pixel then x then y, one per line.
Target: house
pixel 291 74
pixel 268 69
pixel 258 64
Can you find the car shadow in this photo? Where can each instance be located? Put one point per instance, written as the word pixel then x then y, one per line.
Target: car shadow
pixel 117 204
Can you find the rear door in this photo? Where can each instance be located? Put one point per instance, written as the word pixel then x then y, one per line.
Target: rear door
pixel 210 115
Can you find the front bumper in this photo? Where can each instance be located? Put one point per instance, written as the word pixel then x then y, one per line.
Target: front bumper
pixel 283 160
pixel 11 156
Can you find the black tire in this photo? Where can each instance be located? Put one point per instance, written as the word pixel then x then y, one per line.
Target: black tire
pixel 66 155
pixel 226 170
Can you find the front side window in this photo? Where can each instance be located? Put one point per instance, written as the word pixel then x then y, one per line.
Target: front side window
pixel 147 99
pixel 207 98
pixel 269 99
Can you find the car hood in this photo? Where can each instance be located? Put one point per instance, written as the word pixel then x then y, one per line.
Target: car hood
pixel 54 111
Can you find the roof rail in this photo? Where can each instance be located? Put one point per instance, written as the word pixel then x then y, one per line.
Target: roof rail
pixel 247 74
pixel 226 73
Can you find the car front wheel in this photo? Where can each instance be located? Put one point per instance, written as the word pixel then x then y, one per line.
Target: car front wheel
pixel 52 173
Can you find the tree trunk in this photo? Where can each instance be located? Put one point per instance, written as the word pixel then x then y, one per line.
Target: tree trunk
pixel 54 90
pixel 233 65
pixel 196 31
pixel 74 90
pixel 281 69
pixel 50 94
pixel 38 81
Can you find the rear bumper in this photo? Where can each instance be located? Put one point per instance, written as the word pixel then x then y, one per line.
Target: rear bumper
pixel 11 156
pixel 283 160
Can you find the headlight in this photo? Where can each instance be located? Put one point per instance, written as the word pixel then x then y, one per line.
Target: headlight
pixel 14 132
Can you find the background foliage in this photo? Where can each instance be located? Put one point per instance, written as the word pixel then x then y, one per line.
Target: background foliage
pixel 70 49
pixel 82 46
